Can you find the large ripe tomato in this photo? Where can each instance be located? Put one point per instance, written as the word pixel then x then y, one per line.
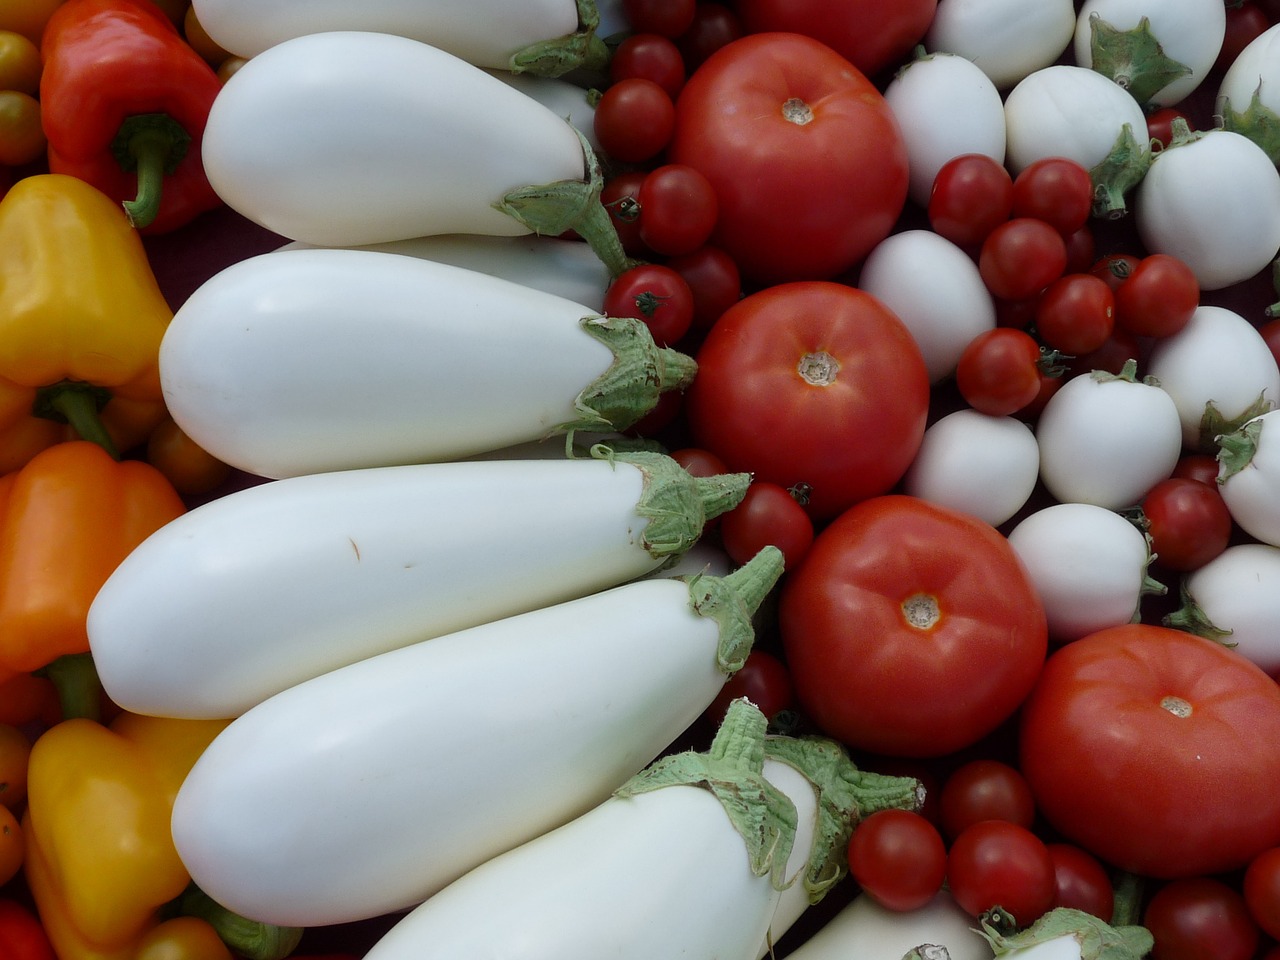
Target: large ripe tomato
pixel 870 34
pixel 815 386
pixel 807 160
pixel 1156 750
pixel 911 630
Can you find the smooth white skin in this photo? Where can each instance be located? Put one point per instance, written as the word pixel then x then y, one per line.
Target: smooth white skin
pixel 1107 442
pixel 1088 565
pixel 935 289
pixel 1252 494
pixel 1059 948
pixel 565 268
pixel 1190 32
pixel 1007 39
pixel 979 464
pixel 1068 111
pixel 261 589
pixel 1256 69
pixel 302 361
pixel 867 931
pixel 793 901
pixel 945 107
pixel 564 99
pixel 1213 202
pixel 1218 356
pixel 485 33
pixel 665 867
pixel 454 763
pixel 1239 590
pixel 349 138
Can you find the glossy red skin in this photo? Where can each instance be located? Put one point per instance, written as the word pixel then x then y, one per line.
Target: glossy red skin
pixel 985 789
pixel 1081 880
pixel 898 858
pixel 1161 795
pixel 995 863
pixel 1261 890
pixel 796 200
pixel 879 684
pixel 1188 522
pixel 847 440
pixel 1200 918
pixel 870 34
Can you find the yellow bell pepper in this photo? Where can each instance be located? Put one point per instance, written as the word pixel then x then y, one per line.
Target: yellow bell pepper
pixel 100 861
pixel 81 318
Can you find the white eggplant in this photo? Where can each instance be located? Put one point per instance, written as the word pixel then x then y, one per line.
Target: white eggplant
pixel 1212 199
pixel 351 138
pixel 1158 50
pixel 1070 111
pixel 935 289
pixel 1249 476
pixel 463 746
pixel 867 931
pixel 303 361
pixel 261 589
pixel 1007 39
pixel 945 106
pixel 689 853
pixel 1248 99
pixel 544 36
pixel 1220 373
pixel 555 265
pixel 561 97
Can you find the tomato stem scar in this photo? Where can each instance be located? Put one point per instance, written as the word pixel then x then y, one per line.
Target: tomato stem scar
pixel 797 111
pixel 1176 705
pixel 921 610
pixel 819 368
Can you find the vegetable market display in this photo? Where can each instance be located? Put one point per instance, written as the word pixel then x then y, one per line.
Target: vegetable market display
pixel 739 479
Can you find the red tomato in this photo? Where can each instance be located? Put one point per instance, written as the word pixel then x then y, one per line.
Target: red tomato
pixel 652 56
pixel 898 858
pixel 815 386
pixel 699 462
pixel 1188 522
pixel 1245 23
pixel 870 34
pixel 655 294
pixel 714 279
pixel 1081 881
pixel 1261 889
pixel 999 372
pixel 767 516
pixel 1076 314
pixel 911 629
pixel 1021 257
pixel 1115 351
pixel 620 197
pixel 1201 467
pixel 1057 190
pixel 1133 736
pixel 714 25
pixel 763 679
pixel 1271 336
pixel 995 863
pixel 1115 268
pixel 808 164
pixel 1082 248
pixel 1200 918
pixel 21 935
pixel 1158 297
pixel 677 210
pixel 670 18
pixel 633 120
pixel 985 789
pixel 972 195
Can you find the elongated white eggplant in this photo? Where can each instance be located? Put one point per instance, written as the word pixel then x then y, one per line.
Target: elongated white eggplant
pixel 303 361
pixel 256 591
pixel 351 137
pixel 690 853
pixel 545 37
pixel 514 727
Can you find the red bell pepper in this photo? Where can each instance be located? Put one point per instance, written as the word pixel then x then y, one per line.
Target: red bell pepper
pixel 124 101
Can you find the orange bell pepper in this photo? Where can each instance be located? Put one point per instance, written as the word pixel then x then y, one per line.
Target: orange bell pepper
pixel 67 519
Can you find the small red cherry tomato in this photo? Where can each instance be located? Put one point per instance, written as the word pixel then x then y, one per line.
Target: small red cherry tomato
pixel 1082 882
pixel 1261 889
pixel 1200 918
pixel 1188 522
pixel 655 294
pixel 1021 257
pixel 634 120
pixel 713 277
pixel 1076 314
pixel 677 209
pixel 651 56
pixel 898 858
pixel 767 516
pixel 972 195
pixel 1057 190
pixel 996 863
pixel 763 679
pixel 1158 298
pixel 998 373
pixel 985 789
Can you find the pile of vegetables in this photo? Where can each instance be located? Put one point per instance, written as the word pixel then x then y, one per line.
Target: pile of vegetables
pixel 636 477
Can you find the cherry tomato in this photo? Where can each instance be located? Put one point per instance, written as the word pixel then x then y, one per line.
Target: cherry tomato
pixel 1057 190
pixel 22 138
pixel 652 56
pixel 1016 313
pixel 998 373
pixel 12 848
pixel 898 858
pixel 763 679
pixel 1115 352
pixel 1188 522
pixel 1021 257
pixel 950 638
pixel 15 750
pixel 1051 381
pixel 808 163
pixel 972 195
pixel 985 789
pixel 714 25
pixel 1158 297
pixel 1261 890
pixel 656 294
pixel 20 64
pixel 815 386
pixel 22 936
pixel 189 467
pixel 28 698
pixel 1201 467
pixel 668 18
pixel 1200 918
pixel 1135 732
pixel 699 462
pixel 714 279
pixel 1082 248
pixel 1076 314
pixel 1115 268
pixel 870 34
pixel 1081 881
pixel 182 938
pixel 1271 336
pixel 1160 124
pixel 995 863
pixel 1245 23
pixel 620 196
pixel 677 209
pixel 767 516
pixel 634 119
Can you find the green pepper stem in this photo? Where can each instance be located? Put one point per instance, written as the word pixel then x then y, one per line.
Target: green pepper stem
pixel 152 144
pixel 78 404
pixel 251 939
pixel 75 678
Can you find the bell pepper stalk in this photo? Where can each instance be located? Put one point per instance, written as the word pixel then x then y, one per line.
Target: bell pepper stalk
pixel 124 103
pixel 81 319
pixel 67 519
pixel 247 939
